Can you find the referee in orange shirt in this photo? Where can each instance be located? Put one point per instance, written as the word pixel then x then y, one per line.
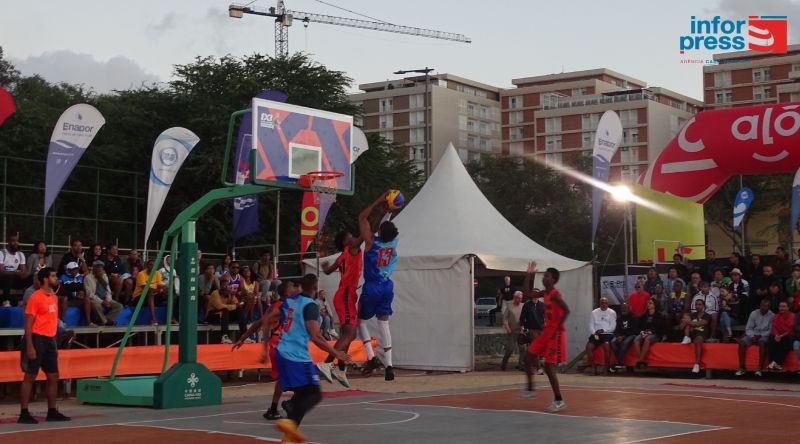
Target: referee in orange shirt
pixel 39 347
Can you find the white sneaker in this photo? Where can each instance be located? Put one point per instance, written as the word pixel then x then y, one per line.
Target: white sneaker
pixel 226 340
pixel 527 394
pixel 686 340
pixel 324 369
pixel 740 372
pixel 339 375
pixel 772 365
pixel 556 406
pixel 249 341
pixel 696 368
pixel 758 373
pixel 333 334
pixel 540 371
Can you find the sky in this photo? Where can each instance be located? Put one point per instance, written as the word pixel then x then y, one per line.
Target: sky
pixel 108 45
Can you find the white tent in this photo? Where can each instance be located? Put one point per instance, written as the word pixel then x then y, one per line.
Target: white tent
pixel 444 231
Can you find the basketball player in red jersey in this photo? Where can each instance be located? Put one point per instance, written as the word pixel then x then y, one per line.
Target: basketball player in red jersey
pixel 551 344
pixel 349 263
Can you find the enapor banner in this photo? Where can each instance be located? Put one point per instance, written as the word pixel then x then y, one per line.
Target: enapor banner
pixel 73 133
pixel 606 142
pixel 245 208
pixel 7 107
pixel 715 145
pixel 309 222
pixel 744 198
pixel 795 203
pixel 169 151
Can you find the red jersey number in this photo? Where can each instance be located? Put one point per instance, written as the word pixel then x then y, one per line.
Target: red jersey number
pixel 385 256
pixel 289 319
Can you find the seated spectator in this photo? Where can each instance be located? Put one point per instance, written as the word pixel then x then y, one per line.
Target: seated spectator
pixel 72 294
pixel 95 254
pixel 638 299
pixel 651 330
pixel 118 277
pixel 757 330
pixel 134 264
pixel 780 263
pixel 249 293
pixel 720 280
pixel 662 300
pixel 531 322
pixel 624 334
pixel 678 302
pixel 735 261
pixel 206 284
pixel 694 285
pixel 680 266
pixel 740 290
pixel 602 323
pixel 14 271
pixel 98 292
pixel 775 295
pixel 169 277
pixel 511 314
pixel 728 307
pixel 157 289
pixel 755 269
pixel 266 276
pixel 235 279
pixel 223 307
pixel 781 337
pixel 652 280
pixel 39 258
pixel 672 277
pixel 710 307
pixel 696 330
pixel 708 266
pixel 792 289
pixel 75 254
pixel 763 282
pixel 224 267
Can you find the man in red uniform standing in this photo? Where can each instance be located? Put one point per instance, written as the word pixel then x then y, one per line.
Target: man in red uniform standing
pixel 551 344
pixel 349 263
pixel 39 350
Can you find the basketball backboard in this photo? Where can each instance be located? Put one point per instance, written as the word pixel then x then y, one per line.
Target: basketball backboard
pixel 290 141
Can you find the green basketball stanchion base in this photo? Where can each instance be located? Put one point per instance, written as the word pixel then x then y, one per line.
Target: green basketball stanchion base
pixel 186 385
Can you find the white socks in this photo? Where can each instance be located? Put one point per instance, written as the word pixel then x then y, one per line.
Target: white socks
pixel 363 332
pixel 386 342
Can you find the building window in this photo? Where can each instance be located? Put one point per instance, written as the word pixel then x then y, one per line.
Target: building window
pixel 416 118
pixel 416 101
pixel 416 135
pixel 723 96
pixel 588 140
pixel 387 121
pixel 388 135
pixel 630 173
pixel 625 155
pixel 552 125
pixel 589 121
pixel 761 93
pixel 554 159
pixel 630 136
pixel 552 143
pixel 761 75
pixel 416 153
pixel 516 148
pixel 385 105
pixel 675 124
pixel 516 117
pixel 515 102
pixel 515 133
pixel 579 92
pixel 629 117
pixel 722 78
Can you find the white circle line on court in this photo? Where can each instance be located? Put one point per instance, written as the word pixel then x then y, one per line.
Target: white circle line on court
pixel 414 416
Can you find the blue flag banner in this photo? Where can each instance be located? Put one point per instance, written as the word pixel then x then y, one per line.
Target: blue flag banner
pixel 606 142
pixel 245 208
pixel 744 198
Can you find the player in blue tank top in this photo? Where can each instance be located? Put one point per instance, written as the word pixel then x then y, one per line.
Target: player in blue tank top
pixel 377 293
pixel 298 318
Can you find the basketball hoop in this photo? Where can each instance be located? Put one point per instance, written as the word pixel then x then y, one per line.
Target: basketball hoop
pixel 322 183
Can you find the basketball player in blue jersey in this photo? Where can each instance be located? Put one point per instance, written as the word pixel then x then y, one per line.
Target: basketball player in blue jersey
pixel 380 258
pixel 298 318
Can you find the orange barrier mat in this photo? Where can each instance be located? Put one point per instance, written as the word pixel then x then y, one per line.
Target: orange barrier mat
pixel 715 356
pixel 95 362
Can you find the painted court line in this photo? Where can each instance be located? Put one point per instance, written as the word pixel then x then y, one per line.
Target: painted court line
pixel 414 416
pixel 631 392
pixel 676 434
pixel 216 432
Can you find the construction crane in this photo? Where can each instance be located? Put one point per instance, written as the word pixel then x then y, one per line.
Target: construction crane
pixel 284 18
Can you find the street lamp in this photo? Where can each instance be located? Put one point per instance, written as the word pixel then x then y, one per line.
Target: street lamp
pixel 623 194
pixel 425 71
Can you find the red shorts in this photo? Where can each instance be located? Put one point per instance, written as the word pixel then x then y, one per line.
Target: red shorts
pixel 272 347
pixel 344 302
pixel 552 349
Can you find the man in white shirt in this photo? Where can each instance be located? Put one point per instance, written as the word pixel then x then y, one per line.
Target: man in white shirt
pixel 711 301
pixel 98 290
pixel 13 271
pixel 511 313
pixel 602 324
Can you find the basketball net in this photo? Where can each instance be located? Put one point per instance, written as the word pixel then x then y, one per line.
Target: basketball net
pixel 324 190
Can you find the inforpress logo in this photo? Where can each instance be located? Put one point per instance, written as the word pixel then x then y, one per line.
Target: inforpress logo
pixel 765 33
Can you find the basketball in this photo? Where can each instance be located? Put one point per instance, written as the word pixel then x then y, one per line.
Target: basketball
pixel 395 199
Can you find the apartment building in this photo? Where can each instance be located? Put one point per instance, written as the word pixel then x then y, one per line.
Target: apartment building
pixel 746 78
pixel 554 117
pixel 461 111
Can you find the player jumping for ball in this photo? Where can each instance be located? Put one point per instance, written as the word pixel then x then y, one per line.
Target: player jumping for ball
pixel 299 320
pixel 551 343
pixel 350 264
pixel 380 258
